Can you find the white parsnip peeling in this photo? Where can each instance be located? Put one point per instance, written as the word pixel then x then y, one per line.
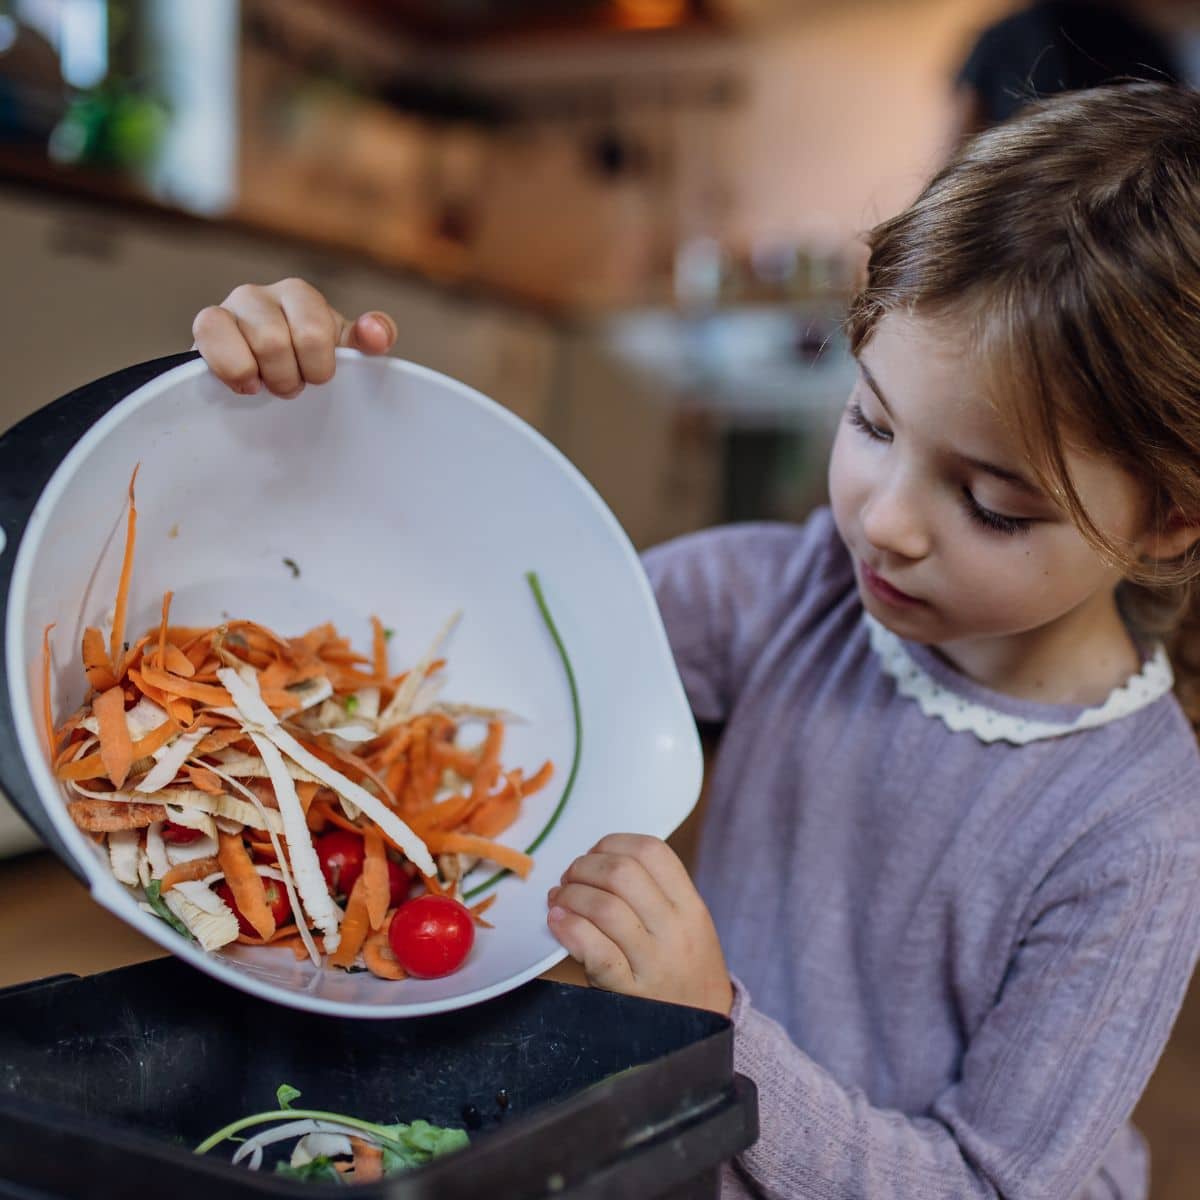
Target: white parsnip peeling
pixel 306 867
pixel 259 718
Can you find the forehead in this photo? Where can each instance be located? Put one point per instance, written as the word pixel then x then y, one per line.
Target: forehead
pixel 930 377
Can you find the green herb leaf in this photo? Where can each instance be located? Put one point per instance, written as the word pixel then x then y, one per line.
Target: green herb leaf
pixel 351 705
pixel 536 587
pixel 156 902
pixel 388 634
pixel 316 1170
pixel 292 566
pixel 285 1094
pixel 417 1143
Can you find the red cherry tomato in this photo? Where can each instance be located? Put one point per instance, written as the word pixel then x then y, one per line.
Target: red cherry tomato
pixel 399 883
pixel 277 900
pixel 341 856
pixel 431 936
pixel 180 835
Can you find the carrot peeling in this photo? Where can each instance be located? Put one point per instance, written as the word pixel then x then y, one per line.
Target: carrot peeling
pixel 47 703
pixel 380 960
pixel 465 843
pixel 375 877
pixel 185 872
pixel 116 643
pixel 245 883
pixel 96 664
pixel 356 926
pixel 116 746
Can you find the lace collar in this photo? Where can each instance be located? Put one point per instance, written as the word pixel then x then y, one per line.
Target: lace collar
pixel 965 707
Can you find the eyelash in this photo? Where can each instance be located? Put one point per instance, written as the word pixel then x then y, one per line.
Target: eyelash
pixel 993 522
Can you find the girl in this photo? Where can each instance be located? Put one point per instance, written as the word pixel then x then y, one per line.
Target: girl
pixel 952 848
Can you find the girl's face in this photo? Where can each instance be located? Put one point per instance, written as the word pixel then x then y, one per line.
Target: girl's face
pixel 952 539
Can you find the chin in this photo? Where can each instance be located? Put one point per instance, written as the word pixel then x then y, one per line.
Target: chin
pixel 919 625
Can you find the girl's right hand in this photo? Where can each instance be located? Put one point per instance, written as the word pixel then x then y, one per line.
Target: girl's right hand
pixel 282 336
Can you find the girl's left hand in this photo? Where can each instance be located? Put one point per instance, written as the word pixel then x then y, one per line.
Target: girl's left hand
pixel 629 912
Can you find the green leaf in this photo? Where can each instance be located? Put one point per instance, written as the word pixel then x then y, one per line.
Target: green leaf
pixel 419 1142
pixel 285 1094
pixel 156 902
pixel 389 634
pixel 317 1170
pixel 351 705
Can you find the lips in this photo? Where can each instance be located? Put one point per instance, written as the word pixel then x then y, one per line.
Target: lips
pixel 884 591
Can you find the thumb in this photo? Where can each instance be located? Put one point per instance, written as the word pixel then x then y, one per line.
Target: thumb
pixel 372 333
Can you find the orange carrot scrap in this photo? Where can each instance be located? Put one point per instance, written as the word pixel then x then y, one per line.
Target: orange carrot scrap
pixel 220 739
pixel 356 926
pixel 162 630
pixel 47 705
pixel 375 876
pixel 178 663
pixel 307 791
pixel 488 769
pixel 465 843
pixel 186 872
pixel 495 815
pixel 92 766
pixel 380 960
pixel 537 781
pixel 96 664
pixel 116 746
pixel 205 781
pixel 368 1161
pixel 108 816
pixel 245 883
pixel 116 642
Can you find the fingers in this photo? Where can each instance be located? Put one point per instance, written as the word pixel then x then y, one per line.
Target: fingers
pixel 223 347
pixel 626 878
pixel 372 333
pixel 658 860
pixel 284 336
pixel 312 327
pixel 603 961
pixel 264 328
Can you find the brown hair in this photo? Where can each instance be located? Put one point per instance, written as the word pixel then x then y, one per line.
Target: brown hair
pixel 1069 241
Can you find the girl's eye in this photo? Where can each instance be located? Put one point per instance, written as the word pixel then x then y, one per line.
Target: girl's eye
pixel 859 420
pixel 994 521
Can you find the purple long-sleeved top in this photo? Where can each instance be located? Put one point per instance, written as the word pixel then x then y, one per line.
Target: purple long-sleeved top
pixel 957 960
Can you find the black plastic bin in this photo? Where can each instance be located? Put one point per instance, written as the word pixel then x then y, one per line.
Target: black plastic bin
pixel 107 1082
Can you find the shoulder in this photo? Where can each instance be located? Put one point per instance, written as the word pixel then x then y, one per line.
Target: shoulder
pixel 749 563
pixel 1142 797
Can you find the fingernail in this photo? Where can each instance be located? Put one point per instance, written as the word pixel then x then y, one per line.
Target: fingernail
pixel 251 388
pixel 380 325
pixel 556 914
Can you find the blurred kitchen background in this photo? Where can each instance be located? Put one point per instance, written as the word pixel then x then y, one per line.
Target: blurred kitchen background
pixel 634 222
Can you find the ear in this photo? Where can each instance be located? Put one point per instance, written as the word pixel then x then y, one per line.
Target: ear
pixel 1178 536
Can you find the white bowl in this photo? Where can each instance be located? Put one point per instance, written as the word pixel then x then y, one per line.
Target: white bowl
pixel 397 492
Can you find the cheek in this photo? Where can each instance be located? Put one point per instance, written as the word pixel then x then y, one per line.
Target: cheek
pixel 844 476
pixel 1035 580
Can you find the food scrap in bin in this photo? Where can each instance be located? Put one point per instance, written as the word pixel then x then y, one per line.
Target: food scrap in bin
pixel 332 1147
pixel 274 790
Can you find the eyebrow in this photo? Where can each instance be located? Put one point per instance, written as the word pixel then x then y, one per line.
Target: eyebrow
pixel 1012 477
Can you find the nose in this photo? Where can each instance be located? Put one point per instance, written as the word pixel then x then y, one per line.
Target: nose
pixel 893 519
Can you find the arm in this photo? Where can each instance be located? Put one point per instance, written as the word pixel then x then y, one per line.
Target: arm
pixel 1052 1071
pixel 724 592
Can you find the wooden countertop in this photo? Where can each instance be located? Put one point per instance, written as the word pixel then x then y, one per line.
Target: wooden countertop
pixel 49 925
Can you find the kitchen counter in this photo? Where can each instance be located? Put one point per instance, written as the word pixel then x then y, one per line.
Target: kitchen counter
pixel 50 926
